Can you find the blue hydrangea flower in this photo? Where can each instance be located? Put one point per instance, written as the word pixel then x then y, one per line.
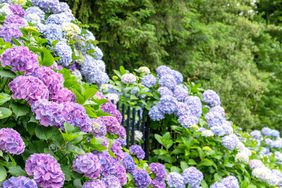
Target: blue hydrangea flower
pixel 167 104
pixel 211 98
pixel 177 76
pixel 266 131
pixel 180 92
pixel 256 134
pixel 275 133
pixel 134 90
pixel 230 182
pixel 141 179
pixel 149 80
pixel 98 53
pixel 230 141
pixel 155 114
pixel 214 118
pixel 195 105
pixel 63 7
pixel 165 91
pixel 218 130
pixel 59 19
pixel 182 109
pixel 19 182
pixel 53 32
pixel 163 70
pixel 217 185
pixel 188 120
pixel 167 81
pixel 64 51
pixel 175 180
pixel 128 163
pixel 47 6
pixel 192 176
pixel 37 11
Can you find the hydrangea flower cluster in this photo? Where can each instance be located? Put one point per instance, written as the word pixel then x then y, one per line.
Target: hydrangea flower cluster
pixel 128 78
pixel 87 164
pixel 11 141
pixel 45 170
pixel 94 184
pixel 141 178
pixel 175 180
pixel 192 176
pixel 227 182
pixel 138 151
pixel 19 182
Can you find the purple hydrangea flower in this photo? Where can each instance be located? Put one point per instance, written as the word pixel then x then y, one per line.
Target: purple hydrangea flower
pixel 117 150
pixel 182 109
pixel 19 182
pixel 167 81
pixel 230 182
pixel 214 118
pixel 177 76
pixel 155 114
pixel 94 184
pixel 188 120
pixel 9 32
pixel 20 59
pixel 54 81
pixel 37 11
pixel 108 164
pixel 111 123
pixel 165 91
pixel 266 131
pixel 159 170
pixel 192 176
pixel 28 88
pixel 110 108
pixel 63 95
pixel 255 163
pixel 128 78
pixel 46 171
pixel 149 80
pixel 17 10
pixel 180 93
pixel 167 104
pixel 121 174
pixel 111 181
pixel 157 183
pixel 128 163
pixel 230 141
pixel 11 141
pixel 141 179
pixel 175 180
pixel 211 98
pixel 163 70
pixel 138 151
pixel 15 21
pixel 98 128
pixel 88 164
pixel 64 51
pixel 195 105
pixel 53 32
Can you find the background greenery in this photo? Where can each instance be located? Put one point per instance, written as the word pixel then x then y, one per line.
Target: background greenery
pixel 231 46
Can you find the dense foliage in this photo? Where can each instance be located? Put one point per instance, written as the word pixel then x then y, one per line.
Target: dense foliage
pixel 219 44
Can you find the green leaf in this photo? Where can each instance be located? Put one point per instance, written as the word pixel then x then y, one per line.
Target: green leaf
pixel 89 93
pixel 44 133
pixel 3 173
pixel 7 74
pixel 19 109
pixel 175 169
pixel 122 70
pixel 5 112
pixel 207 162
pixel 158 138
pixel 16 171
pixel 183 165
pixel 75 149
pixel 77 183
pixel 69 128
pixel 4 98
pixel 192 162
pixel 47 57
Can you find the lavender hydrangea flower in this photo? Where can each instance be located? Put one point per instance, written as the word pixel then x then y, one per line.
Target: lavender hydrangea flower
pixel 128 163
pixel 167 81
pixel 37 11
pixel 28 88
pixel 19 182
pixel 218 130
pixel 165 91
pixel 175 180
pixel 163 70
pixel 64 51
pixel 108 166
pixel 275 133
pixel 110 108
pixel 192 176
pixel 230 141
pixel 138 151
pixel 53 32
pixel 159 171
pixel 9 32
pixel 63 95
pixel 88 164
pixel 11 141
pixel 157 183
pixel 54 81
pixel 195 105
pixel 47 5
pixel 20 59
pixel 188 120
pixel 63 7
pixel 266 131
pixel 111 181
pixel 177 76
pixel 256 134
pixel 17 10
pixel 149 80
pixel 117 150
pixel 141 179
pixel 15 21
pixel 255 163
pixel 98 128
pixel 211 98
pixel 167 104
pixel 46 171
pixel 111 123
pixel 98 54
pixel 217 185
pixel 180 93
pixel 214 118
pixel 121 174
pixel 182 109
pixel 94 184
pixel 155 114
pixel 128 78
pixel 58 19
pixel 230 182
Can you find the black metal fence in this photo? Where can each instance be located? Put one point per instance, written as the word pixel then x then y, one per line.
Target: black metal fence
pixel 135 119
